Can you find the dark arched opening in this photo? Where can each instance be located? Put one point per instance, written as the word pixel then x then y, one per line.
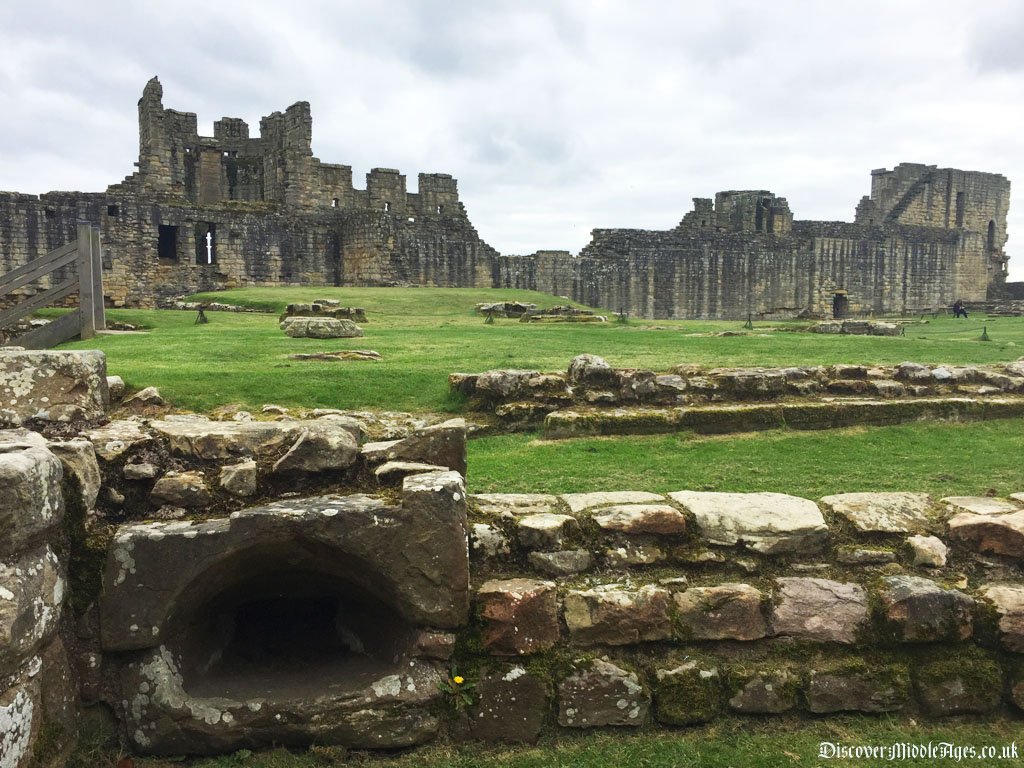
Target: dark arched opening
pixel 282 622
pixel 991 241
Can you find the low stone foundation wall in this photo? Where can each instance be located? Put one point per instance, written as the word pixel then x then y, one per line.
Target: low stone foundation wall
pixel 219 585
pixel 593 398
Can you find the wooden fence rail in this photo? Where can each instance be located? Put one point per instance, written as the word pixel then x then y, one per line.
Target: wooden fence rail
pixel 86 254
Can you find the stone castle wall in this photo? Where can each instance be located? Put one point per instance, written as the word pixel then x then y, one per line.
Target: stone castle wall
pixel 272 214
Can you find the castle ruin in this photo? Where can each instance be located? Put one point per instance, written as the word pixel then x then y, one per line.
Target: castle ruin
pixel 206 213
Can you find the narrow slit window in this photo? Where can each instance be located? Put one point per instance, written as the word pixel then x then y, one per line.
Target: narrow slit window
pixel 206 243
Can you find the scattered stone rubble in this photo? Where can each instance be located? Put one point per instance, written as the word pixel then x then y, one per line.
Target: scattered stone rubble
pixel 593 398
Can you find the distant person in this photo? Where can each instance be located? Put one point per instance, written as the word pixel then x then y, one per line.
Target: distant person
pixel 959 310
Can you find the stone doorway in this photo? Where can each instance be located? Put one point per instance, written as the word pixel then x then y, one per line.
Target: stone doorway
pixel 840 305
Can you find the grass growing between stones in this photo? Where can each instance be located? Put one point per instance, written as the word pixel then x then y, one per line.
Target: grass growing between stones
pixel 426 333
pixel 939 458
pixel 748 743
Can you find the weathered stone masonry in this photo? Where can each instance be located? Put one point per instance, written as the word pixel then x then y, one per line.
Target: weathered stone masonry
pixel 212 617
pixel 204 213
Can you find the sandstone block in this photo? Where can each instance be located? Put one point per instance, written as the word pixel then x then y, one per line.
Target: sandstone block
pixel 503 385
pixel 630 554
pixel 919 610
pixel 970 684
pixel 1008 600
pixel 181 489
pixel 616 616
pixel 928 551
pixel 819 609
pixel 319 449
pixel 580 501
pixel 32 590
pixel 117 438
pixel 689 694
pixel 769 523
pixel 882 512
pixel 520 616
pixel 78 459
pixel 53 385
pixel 30 496
pixel 513 504
pixel 116 388
pixel 141 471
pixel 601 693
pixel 545 531
pixel 1001 534
pixel 592 372
pixel 239 479
pixel 392 473
pixel 980 505
pixel 320 328
pixel 509 707
pixel 641 518
pixel 145 398
pixel 768 692
pixel 440 444
pixel 199 438
pixel 724 612
pixel 858 687
pixel 488 541
pixel 566 562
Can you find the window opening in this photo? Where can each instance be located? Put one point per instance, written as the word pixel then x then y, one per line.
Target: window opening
pixel 334 202
pixel 167 242
pixel 387 206
pixel 112 210
pixel 960 209
pixel 206 243
pixel 991 235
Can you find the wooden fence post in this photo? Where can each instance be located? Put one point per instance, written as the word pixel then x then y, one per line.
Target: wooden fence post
pixel 99 311
pixel 86 310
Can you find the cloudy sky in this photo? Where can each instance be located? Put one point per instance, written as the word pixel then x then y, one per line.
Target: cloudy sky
pixel 556 117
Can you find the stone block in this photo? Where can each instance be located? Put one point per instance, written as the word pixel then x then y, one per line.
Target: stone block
pixel 1008 600
pixel 617 616
pixel 440 444
pixel 53 385
pixel 601 693
pixel 919 610
pixel 414 553
pixel 520 616
pixel 31 502
pixel 765 693
pixel 239 479
pixel 928 551
pixel 181 489
pixel 117 438
pixel 567 562
pixel 78 460
pixel 201 439
pixel 723 612
pixel 21 714
pixel 882 512
pixel 392 473
pixel 545 531
pixel 1000 534
pixel 819 609
pixel 509 707
pixel 769 523
pixel 630 554
pixel 858 686
pixel 320 328
pixel 578 502
pixel 641 518
pixel 592 372
pixel 980 505
pixel 32 590
pixel 687 695
pixel 513 504
pixel 958 684
pixel 487 542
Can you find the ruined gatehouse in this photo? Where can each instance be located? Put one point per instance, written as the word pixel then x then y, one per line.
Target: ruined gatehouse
pixel 205 213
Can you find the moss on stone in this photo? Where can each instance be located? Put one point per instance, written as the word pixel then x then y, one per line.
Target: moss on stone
pixel 688 695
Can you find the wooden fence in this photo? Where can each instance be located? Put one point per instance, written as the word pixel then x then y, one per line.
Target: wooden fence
pixel 85 253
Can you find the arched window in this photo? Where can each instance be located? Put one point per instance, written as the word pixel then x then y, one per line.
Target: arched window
pixel 991 235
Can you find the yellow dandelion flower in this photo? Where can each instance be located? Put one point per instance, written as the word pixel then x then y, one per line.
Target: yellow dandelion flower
pixel 458 680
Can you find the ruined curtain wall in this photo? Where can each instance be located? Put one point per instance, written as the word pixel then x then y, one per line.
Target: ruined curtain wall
pixel 676 274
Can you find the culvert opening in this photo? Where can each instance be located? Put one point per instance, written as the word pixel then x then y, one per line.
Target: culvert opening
pixel 287 633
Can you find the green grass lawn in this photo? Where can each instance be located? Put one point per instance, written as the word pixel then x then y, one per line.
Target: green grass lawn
pixel 426 333
pixel 943 459
pixel 752 743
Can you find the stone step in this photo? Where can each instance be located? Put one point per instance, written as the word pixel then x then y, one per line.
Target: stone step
pixel 725 419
